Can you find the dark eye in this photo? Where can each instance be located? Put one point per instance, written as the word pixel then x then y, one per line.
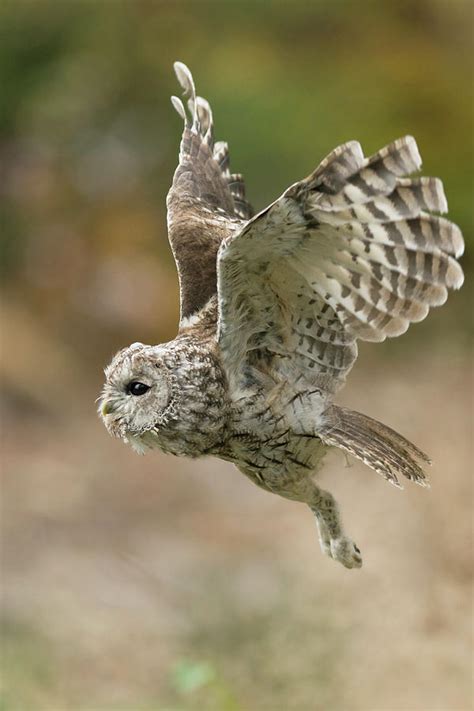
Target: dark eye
pixel 136 388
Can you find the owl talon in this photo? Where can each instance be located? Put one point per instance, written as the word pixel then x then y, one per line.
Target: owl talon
pixel 346 552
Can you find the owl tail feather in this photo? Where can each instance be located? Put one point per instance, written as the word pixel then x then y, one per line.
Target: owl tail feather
pixel 385 451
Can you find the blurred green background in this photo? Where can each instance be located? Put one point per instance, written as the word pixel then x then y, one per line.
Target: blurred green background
pixel 158 583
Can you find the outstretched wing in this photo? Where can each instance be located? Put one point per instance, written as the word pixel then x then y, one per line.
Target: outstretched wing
pixel 348 253
pixel 205 203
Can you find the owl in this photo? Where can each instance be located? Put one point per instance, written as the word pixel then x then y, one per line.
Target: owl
pixel 272 307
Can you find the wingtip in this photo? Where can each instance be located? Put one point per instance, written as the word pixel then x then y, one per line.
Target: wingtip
pixel 454 275
pixel 180 67
pixel 457 240
pixel 178 106
pixel 442 202
pixel 356 149
pixel 412 146
pixel 185 78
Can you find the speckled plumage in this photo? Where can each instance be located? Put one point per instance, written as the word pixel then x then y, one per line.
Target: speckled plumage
pixel 272 307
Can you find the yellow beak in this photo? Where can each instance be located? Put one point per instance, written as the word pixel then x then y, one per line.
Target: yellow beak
pixel 107 409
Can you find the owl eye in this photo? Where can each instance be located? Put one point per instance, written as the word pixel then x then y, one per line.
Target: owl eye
pixel 136 388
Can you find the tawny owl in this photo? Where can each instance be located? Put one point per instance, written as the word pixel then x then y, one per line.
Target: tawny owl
pixel 272 307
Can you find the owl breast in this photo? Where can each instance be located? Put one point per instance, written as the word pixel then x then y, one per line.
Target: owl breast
pixel 274 435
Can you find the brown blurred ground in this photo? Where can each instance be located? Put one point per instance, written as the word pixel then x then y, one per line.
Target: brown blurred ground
pixel 157 583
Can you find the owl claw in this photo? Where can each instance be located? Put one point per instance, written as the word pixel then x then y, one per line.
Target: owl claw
pixel 346 552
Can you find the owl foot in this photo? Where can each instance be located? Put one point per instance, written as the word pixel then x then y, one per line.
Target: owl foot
pixel 332 540
pixel 345 551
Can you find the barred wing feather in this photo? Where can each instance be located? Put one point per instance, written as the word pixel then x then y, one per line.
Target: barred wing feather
pixel 205 203
pixel 351 252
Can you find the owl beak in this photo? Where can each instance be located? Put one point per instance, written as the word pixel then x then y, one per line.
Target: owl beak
pixel 107 408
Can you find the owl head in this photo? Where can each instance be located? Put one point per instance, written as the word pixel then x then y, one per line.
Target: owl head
pixel 137 398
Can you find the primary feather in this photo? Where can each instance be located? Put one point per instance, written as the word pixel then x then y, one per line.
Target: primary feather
pixel 358 246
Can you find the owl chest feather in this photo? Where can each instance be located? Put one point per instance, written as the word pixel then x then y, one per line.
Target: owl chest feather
pixel 274 434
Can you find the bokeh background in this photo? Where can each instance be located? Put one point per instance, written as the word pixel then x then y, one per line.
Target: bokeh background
pixel 135 583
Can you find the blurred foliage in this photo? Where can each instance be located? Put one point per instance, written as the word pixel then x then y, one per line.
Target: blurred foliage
pixel 29 678
pixel 88 139
pixel 190 677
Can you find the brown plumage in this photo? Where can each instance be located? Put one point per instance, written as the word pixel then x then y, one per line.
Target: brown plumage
pixel 272 307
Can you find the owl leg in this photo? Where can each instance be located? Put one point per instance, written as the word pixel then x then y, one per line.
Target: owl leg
pixel 324 535
pixel 332 538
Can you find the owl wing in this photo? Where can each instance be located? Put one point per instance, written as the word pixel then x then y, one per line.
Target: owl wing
pixel 351 252
pixel 205 203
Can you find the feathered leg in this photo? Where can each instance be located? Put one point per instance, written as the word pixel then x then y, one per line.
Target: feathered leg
pixel 298 486
pixel 332 538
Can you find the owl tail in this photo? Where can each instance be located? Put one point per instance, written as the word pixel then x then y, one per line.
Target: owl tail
pixel 385 451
